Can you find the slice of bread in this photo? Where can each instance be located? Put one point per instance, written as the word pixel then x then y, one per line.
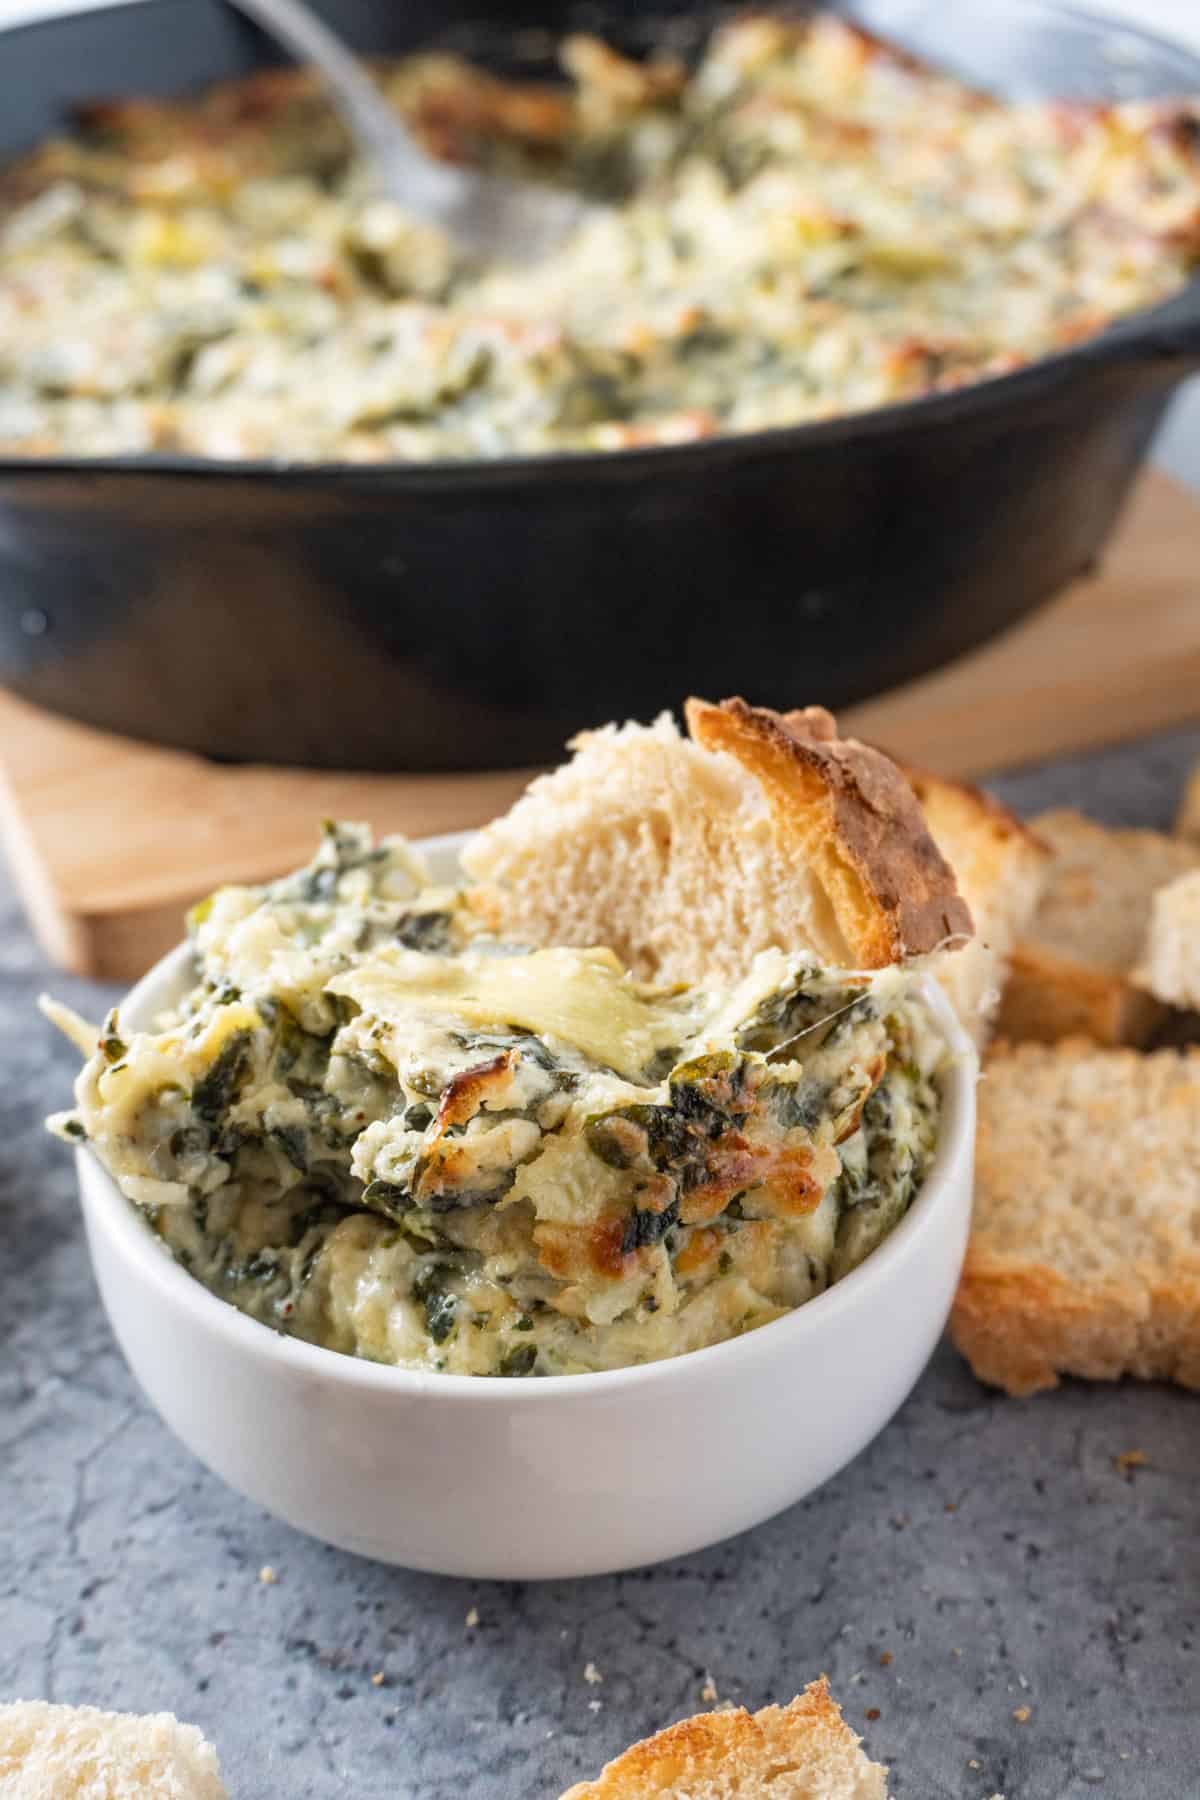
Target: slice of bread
pixel 56 1752
pixel 1073 969
pixel 687 856
pixel 1187 824
pixel 1084 1256
pixel 804 1751
pixel 1171 969
pixel 999 866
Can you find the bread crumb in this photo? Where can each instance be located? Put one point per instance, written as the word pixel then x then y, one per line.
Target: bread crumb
pixel 592 1675
pixel 595 1705
pixel 472 1618
pixel 267 1575
pixel 872 1712
pixel 1129 1460
pixel 973 1762
pixel 709 1690
pixel 885 1658
pixel 1022 1713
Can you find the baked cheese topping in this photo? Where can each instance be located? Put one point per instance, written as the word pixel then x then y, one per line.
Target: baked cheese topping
pixel 804 225
pixel 372 1125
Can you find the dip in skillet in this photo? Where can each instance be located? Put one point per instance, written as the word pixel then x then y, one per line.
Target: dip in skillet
pixel 806 224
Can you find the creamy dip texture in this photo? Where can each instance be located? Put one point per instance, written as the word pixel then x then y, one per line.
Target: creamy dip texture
pixel 802 225
pixel 370 1125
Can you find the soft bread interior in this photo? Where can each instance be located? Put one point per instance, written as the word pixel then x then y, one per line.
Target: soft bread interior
pixel 651 845
pixel 56 1752
pixel 1171 964
pixel 686 858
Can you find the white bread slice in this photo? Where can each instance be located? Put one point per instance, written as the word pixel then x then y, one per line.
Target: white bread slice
pixel 1171 969
pixel 804 1751
pixel 1084 1256
pixel 687 857
pixel 1073 969
pixel 60 1752
pixel 1187 824
pixel 999 866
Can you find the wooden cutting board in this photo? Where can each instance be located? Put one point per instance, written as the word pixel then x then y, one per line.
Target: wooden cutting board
pixel 110 840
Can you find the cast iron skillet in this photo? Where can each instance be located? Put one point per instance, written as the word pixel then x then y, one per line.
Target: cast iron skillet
pixel 470 615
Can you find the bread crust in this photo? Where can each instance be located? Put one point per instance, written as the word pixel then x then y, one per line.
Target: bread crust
pixel 1187 824
pixel 689 855
pixel 1074 970
pixel 746 1749
pixel 1048 998
pixel 999 864
pixel 991 815
pixel 1021 1326
pixel 857 820
pixel 1055 1283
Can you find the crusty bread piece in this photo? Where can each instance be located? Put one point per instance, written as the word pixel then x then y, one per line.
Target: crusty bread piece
pixel 1171 968
pixel 56 1752
pixel 1072 971
pixel 999 865
pixel 687 857
pixel 804 1751
pixel 1084 1256
pixel 1187 824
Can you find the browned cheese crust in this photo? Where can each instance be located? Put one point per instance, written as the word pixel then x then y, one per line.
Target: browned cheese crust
pixel 855 820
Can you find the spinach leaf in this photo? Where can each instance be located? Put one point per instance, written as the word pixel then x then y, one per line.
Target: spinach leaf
pixel 643 1229
pixel 216 1088
pixel 441 1306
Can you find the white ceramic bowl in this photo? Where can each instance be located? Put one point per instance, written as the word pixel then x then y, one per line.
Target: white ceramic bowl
pixel 564 1475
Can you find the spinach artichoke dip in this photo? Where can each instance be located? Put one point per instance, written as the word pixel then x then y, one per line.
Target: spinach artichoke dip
pixel 805 223
pixel 371 1125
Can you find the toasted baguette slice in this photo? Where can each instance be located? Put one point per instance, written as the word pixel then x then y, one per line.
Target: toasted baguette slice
pixel 1084 1256
pixel 1187 825
pixel 687 857
pixel 1073 969
pixel 804 1751
pixel 1171 969
pixel 55 1752
pixel 999 866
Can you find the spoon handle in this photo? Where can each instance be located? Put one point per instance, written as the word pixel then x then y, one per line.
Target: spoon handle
pixel 404 168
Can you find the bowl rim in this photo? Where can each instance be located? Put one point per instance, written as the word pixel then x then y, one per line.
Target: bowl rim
pixel 106 1208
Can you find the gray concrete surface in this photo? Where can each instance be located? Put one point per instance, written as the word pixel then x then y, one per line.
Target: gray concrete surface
pixel 982 1558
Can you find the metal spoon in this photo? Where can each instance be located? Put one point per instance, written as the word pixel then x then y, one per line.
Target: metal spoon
pixel 485 214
